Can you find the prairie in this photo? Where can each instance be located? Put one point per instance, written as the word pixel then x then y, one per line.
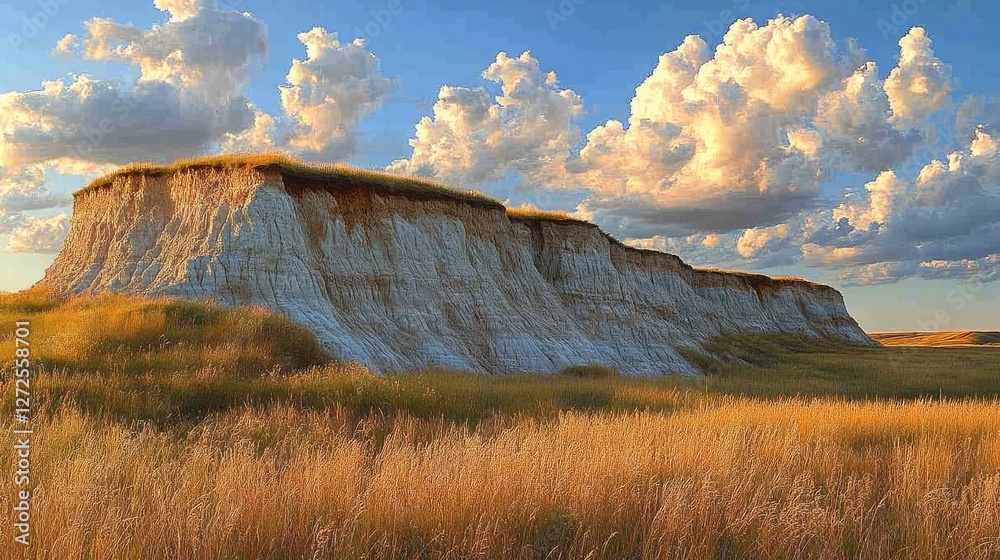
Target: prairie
pixel 182 430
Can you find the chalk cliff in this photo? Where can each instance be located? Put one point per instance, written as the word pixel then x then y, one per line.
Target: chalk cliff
pixel 401 279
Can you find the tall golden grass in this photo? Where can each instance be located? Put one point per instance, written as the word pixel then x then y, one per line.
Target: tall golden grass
pixel 148 445
pixel 737 478
pixel 531 213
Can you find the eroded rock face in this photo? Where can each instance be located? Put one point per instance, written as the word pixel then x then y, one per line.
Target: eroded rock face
pixel 397 283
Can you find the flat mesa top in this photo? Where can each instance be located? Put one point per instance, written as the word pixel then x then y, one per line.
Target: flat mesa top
pixel 338 174
pixel 344 176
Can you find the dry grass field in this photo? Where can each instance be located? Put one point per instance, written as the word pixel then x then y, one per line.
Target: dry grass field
pixel 186 431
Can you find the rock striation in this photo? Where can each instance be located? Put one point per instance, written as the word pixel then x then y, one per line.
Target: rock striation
pixel 403 280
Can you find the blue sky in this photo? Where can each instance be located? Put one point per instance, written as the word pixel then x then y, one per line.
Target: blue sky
pixel 601 51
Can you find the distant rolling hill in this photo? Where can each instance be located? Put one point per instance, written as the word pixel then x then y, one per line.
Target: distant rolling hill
pixel 938 338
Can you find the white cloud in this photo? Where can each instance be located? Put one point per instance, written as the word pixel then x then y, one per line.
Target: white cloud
pixel 99 121
pixel 745 137
pixel 736 139
pixel 207 49
pixel 937 225
pixel 528 129
pixel 699 250
pixel 261 136
pixel 879 273
pixel 721 158
pixel 181 10
pixel 189 94
pixel 854 123
pixel 329 92
pixel 37 235
pixel 723 154
pixel 23 193
pixel 985 269
pixel 981 270
pixel 921 83
pixel 24 190
pixel 753 241
pixel 886 195
pixel 188 99
pixel 718 143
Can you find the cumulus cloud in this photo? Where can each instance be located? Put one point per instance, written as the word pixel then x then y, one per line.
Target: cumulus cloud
pixel 977 112
pixel 744 137
pixel 24 190
pixel 23 194
pixel 527 130
pixel 329 92
pixel 188 99
pixel 938 224
pixel 699 250
pixel 262 135
pixel 921 84
pixel 736 140
pixel 188 96
pixel 726 156
pixel 37 234
pixel 886 195
pixel 100 121
pixel 981 270
pixel 205 48
pixel 718 142
pixel 753 242
pixel 985 269
pixel 854 123
pixel 738 143
pixel 181 10
pixel 724 153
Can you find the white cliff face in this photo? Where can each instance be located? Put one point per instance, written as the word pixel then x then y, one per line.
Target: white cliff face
pixel 399 283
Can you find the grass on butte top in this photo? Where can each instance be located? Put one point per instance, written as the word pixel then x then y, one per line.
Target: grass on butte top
pixel 333 173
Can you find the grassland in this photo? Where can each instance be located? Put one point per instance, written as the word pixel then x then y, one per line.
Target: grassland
pixel 182 430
